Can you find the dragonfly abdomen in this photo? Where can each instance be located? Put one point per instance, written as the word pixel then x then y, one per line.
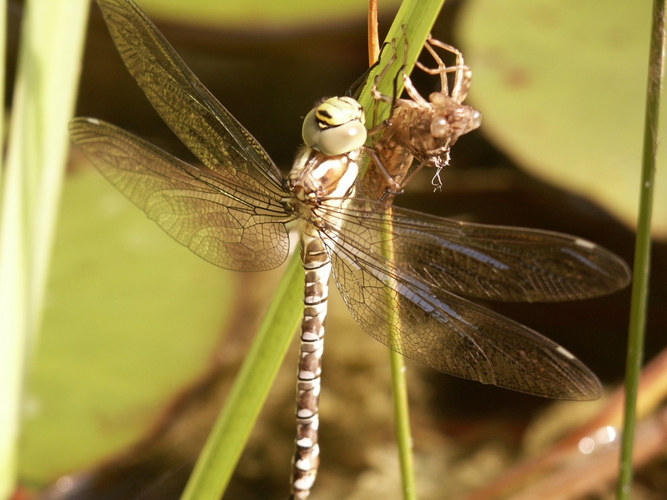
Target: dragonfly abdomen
pixel 318 269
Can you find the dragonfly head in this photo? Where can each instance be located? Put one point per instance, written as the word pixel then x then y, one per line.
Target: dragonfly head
pixel 335 127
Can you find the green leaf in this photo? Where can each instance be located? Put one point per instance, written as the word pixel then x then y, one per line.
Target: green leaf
pixel 562 89
pixel 129 316
pixel 44 94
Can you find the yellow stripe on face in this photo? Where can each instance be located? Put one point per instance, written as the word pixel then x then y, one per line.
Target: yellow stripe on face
pixel 337 111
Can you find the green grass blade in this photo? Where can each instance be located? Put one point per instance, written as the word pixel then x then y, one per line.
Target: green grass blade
pixel 413 23
pixel 46 83
pixel 642 247
pixel 225 444
pixel 59 31
pixel 13 284
pixel 230 433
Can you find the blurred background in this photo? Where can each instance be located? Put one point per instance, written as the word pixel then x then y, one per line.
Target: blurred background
pixel 141 340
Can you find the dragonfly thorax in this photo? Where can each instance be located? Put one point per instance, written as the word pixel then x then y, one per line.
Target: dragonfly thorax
pixel 316 176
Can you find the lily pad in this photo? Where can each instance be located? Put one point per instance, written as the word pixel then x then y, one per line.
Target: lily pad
pixel 562 86
pixel 130 317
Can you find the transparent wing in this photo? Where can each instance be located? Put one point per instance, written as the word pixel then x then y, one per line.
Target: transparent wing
pixel 413 293
pixel 481 261
pixel 458 337
pixel 190 110
pixel 229 219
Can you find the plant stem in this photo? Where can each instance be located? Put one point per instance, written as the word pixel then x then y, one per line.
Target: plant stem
pixel 642 247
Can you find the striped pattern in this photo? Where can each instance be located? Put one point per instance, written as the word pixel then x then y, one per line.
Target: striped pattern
pixel 307 452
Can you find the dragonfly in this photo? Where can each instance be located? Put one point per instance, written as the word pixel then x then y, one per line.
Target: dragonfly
pixel 235 208
pixel 421 129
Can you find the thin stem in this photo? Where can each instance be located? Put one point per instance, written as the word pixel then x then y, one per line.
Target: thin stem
pixel 399 386
pixel 399 389
pixel 642 247
pixel 373 38
pixel 420 16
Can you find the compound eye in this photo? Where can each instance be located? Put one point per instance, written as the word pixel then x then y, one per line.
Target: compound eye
pixel 439 127
pixel 335 127
pixel 342 139
pixel 310 131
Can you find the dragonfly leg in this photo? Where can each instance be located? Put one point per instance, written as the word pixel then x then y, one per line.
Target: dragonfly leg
pixel 462 72
pixel 394 187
